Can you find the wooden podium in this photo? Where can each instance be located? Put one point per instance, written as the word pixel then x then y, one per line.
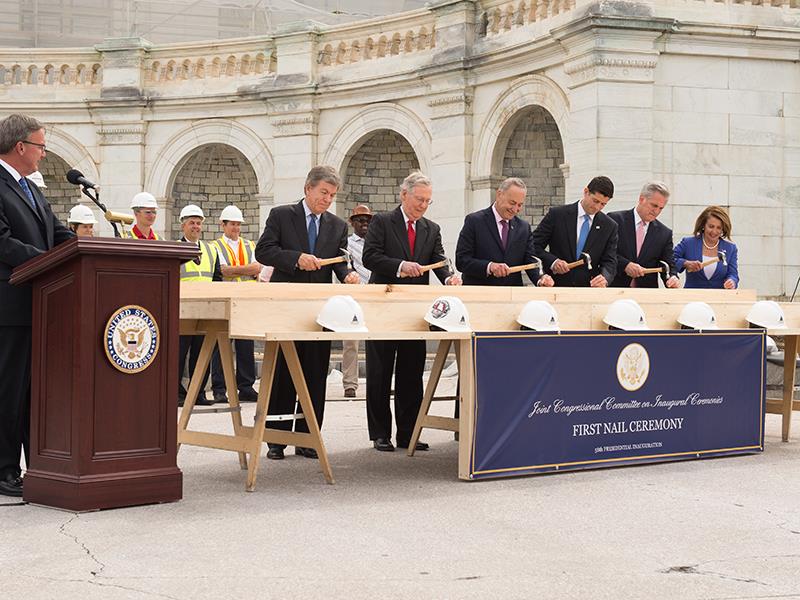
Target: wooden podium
pixel 104 373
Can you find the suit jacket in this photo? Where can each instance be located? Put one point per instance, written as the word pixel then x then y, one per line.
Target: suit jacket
pixel 657 246
pixel 558 231
pixel 386 246
pixel 24 234
pixel 285 238
pixel 479 244
pixel 691 248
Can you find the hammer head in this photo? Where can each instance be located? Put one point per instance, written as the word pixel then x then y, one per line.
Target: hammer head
pixel 449 265
pixel 665 267
pixel 539 265
pixel 348 257
pixel 587 259
pixel 722 257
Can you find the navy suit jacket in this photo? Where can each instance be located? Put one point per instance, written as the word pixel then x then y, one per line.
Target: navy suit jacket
pixel 558 231
pixel 285 237
pixel 691 248
pixel 657 246
pixel 386 246
pixel 479 244
pixel 24 234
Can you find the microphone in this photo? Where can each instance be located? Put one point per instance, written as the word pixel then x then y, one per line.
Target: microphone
pixel 75 177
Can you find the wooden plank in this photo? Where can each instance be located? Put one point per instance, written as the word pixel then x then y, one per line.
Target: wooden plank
pixel 437 422
pixel 226 358
pixel 433 381
pixel 214 440
pixel 775 405
pixel 256 433
pixel 203 360
pixel 789 357
pixel 466 425
pixel 283 336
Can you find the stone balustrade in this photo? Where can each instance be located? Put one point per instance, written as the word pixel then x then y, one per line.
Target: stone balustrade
pixel 500 16
pixel 49 67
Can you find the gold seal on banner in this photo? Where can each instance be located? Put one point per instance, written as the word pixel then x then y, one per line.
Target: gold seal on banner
pixel 633 367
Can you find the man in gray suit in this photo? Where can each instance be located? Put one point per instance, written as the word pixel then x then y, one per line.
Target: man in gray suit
pixel 27 229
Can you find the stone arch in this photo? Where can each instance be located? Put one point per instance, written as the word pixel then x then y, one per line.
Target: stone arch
pixel 533 90
pixel 380 116
pixel 373 171
pixel 213 176
pixel 60 194
pixel 72 152
pixel 531 148
pixel 162 168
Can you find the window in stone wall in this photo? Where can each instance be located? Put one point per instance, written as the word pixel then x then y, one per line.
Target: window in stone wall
pixel 374 172
pixel 534 153
pixel 60 194
pixel 213 176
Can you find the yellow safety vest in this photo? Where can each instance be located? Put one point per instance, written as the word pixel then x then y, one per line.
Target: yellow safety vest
pixel 191 271
pixel 249 248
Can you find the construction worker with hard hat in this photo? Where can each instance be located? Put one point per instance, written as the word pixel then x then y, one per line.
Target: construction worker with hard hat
pixel 237 262
pixel 81 220
pixel 145 210
pixel 205 268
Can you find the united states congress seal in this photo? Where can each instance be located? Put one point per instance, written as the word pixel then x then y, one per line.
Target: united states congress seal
pixel 131 339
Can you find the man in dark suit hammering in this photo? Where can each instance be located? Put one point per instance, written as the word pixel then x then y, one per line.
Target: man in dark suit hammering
pixel 295 238
pixel 27 229
pixel 495 239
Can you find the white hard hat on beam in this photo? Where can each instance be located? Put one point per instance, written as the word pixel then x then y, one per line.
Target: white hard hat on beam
pixel 698 315
pixel 539 316
pixel 231 213
pixel 448 313
pixel 342 313
pixel 767 313
pixel 625 314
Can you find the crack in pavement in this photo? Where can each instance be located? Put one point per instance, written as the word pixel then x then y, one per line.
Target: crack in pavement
pixel 97 574
pixel 693 570
pixel 99 584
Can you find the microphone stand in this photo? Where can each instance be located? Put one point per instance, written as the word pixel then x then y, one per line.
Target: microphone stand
pixel 96 199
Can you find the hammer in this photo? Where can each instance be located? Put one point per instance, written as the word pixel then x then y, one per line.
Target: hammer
pixel 345 258
pixel 533 265
pixel 720 258
pixel 441 263
pixel 663 268
pixel 586 259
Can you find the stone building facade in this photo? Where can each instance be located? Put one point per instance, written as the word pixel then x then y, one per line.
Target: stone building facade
pixel 704 95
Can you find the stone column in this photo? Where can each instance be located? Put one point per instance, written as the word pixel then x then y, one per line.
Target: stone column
pixel 121 129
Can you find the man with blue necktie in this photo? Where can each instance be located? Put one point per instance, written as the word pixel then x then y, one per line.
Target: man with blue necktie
pixel 571 230
pixel 27 229
pixel 295 238
pixel 495 238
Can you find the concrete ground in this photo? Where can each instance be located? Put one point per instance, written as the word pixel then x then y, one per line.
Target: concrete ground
pixel 399 527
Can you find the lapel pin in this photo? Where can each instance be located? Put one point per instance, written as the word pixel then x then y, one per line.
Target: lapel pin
pixel 597 226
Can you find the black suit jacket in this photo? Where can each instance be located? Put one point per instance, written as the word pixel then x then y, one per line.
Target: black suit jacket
pixel 558 231
pixel 285 238
pixel 386 246
pixel 479 244
pixel 657 246
pixel 24 234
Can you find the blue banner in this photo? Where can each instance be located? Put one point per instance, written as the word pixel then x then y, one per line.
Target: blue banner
pixel 578 400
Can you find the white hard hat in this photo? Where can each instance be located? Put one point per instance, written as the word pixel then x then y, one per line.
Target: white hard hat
pixel 37 178
pixel 539 316
pixel 231 213
pixel 766 313
pixel 698 315
pixel 191 210
pixel 625 314
pixel 81 215
pixel 772 347
pixel 144 200
pixel 448 313
pixel 342 313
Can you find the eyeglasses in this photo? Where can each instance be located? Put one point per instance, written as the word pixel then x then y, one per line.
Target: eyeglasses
pixel 42 146
pixel 146 212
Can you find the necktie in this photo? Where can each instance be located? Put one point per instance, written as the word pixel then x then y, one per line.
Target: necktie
pixel 504 233
pixel 582 236
pixel 23 183
pixel 312 233
pixel 639 237
pixel 412 236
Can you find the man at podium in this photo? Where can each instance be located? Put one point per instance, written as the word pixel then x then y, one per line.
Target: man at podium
pixel 27 229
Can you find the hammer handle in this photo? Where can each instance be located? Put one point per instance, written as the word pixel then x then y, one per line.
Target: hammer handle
pixel 426 268
pixel 332 261
pixel 653 270
pixel 710 261
pixel 576 263
pixel 519 268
